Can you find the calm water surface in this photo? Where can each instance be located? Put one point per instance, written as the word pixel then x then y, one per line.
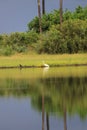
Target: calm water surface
pixel 43 99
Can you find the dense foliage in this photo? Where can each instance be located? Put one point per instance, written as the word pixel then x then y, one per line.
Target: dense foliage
pixel 70 92
pixel 53 18
pixel 72 38
pixel 17 42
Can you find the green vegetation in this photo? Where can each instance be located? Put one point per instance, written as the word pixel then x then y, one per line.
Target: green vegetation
pixel 17 42
pixel 53 18
pixel 60 90
pixel 36 60
pixel 71 38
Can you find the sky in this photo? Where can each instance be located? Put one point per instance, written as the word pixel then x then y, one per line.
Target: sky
pixel 16 14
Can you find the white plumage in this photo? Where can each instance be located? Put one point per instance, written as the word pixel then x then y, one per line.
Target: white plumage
pixel 45 65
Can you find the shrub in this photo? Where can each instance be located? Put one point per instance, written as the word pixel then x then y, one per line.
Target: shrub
pixel 17 42
pixel 53 18
pixel 71 39
pixel 6 51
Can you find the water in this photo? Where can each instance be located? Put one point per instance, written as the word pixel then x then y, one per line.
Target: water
pixel 52 99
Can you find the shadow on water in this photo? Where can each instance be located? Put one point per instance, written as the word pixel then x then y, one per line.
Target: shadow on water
pixel 51 92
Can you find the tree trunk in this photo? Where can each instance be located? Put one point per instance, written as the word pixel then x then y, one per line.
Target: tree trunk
pixel 42 111
pixel 65 122
pixel 47 120
pixel 43 7
pixel 61 13
pixel 39 15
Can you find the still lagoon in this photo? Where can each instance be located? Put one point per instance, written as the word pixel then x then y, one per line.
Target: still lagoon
pixel 43 99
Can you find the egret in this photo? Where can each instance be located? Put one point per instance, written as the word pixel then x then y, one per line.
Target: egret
pixel 45 65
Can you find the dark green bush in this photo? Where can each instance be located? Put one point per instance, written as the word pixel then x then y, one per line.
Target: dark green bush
pixel 47 21
pixel 53 18
pixel 71 39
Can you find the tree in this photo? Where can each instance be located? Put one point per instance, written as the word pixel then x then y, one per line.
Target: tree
pixel 39 15
pixel 43 7
pixel 47 121
pixel 61 12
pixel 43 111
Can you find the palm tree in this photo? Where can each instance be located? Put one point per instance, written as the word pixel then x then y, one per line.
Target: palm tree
pixel 42 111
pixel 43 7
pixel 61 12
pixel 47 121
pixel 39 15
pixel 65 122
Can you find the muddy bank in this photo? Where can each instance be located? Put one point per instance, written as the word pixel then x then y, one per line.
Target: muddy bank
pixel 24 66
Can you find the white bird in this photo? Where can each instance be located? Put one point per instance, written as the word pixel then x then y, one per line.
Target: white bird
pixel 45 65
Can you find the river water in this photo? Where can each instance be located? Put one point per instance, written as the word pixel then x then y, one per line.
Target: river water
pixel 43 99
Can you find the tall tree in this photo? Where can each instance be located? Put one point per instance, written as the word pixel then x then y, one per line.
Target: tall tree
pixel 43 7
pixel 42 111
pixel 39 15
pixel 61 12
pixel 65 123
pixel 47 121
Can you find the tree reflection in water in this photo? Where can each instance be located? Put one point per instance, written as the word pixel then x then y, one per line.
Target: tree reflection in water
pixel 47 121
pixel 64 95
pixel 51 95
pixel 42 111
pixel 65 118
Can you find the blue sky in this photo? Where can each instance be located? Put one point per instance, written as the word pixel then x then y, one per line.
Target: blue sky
pixel 15 14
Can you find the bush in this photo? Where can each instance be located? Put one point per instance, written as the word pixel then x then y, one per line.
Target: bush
pixel 6 51
pixel 53 18
pixel 17 42
pixel 71 39
pixel 47 21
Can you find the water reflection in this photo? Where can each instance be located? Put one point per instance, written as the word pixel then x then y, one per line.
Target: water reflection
pixel 51 95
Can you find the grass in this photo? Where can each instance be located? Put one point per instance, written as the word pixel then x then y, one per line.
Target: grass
pixel 36 60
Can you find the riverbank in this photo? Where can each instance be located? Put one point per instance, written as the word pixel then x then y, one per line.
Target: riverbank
pixel 35 60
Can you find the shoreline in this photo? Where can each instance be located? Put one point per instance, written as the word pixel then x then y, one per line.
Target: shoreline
pixel 36 61
pixel 24 66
